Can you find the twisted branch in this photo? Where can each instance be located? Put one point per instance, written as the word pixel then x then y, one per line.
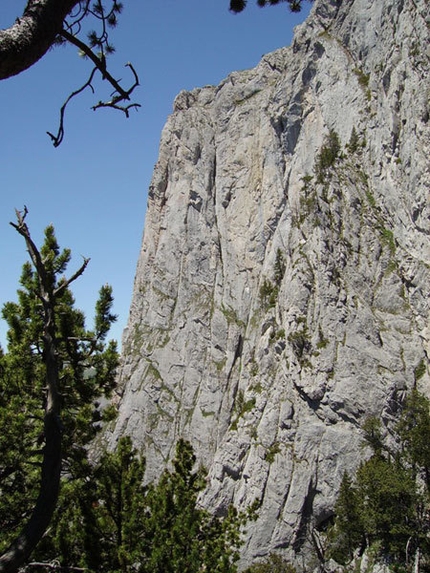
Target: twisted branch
pixel 99 65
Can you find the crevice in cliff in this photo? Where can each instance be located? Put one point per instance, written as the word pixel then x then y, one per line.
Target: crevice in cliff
pixel 301 537
pixel 236 357
pixel 312 403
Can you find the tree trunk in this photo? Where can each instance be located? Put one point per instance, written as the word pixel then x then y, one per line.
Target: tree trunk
pixel 26 41
pixel 22 547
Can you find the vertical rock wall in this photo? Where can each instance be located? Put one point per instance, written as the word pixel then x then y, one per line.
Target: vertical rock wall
pixel 280 300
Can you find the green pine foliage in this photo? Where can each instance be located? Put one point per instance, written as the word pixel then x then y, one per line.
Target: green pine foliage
pixel 279 269
pixel 386 507
pixel 387 497
pixel 109 522
pixel 239 5
pixel 354 141
pixel 414 432
pixel 174 521
pixel 86 370
pixel 269 290
pixel 348 531
pixel 268 294
pixel 180 536
pixel 372 434
pixel 100 522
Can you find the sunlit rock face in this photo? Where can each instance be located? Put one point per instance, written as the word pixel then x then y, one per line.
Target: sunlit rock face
pixel 281 293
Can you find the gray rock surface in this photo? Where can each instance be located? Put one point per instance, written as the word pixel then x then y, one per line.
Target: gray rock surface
pixel 279 301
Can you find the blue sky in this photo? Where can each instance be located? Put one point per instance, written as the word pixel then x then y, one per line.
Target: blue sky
pixel 93 188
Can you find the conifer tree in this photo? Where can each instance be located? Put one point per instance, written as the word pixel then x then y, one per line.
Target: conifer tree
pixel 388 498
pixel 348 532
pixel 387 505
pixel 414 432
pixel 50 377
pixel 100 522
pixel 180 536
pixel 110 522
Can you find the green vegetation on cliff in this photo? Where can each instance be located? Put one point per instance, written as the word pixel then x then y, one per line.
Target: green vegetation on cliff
pixel 385 507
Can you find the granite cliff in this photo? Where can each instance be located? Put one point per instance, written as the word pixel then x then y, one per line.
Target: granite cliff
pixel 281 293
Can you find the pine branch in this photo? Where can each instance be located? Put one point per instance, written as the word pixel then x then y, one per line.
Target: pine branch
pixel 119 95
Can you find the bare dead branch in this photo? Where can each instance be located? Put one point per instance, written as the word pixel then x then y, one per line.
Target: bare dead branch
pixel 45 23
pixel 33 251
pixel 66 282
pixel 57 139
pixel 99 65
pixel 114 102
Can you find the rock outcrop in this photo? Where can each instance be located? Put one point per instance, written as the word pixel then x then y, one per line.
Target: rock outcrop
pixel 281 293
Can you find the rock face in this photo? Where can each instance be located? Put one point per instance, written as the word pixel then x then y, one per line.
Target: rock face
pixel 281 293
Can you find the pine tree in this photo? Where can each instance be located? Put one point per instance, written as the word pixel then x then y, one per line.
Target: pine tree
pixel 354 141
pixel 100 522
pixel 414 433
pixel 182 536
pixel 50 377
pixel 387 504
pixel 388 497
pixel 347 533
pixel 329 153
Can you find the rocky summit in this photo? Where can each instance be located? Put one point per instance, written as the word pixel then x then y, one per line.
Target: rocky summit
pixel 282 289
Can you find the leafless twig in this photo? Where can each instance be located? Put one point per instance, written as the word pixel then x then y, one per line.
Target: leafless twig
pixel 57 139
pixel 119 95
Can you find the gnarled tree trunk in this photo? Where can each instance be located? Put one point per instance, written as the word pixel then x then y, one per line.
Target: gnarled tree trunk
pixel 26 41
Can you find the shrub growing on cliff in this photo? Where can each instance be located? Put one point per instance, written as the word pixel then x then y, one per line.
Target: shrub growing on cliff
pixel 327 156
pixel 268 294
pixel 279 269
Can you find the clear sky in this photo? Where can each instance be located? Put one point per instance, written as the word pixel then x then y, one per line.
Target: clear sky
pixel 93 188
